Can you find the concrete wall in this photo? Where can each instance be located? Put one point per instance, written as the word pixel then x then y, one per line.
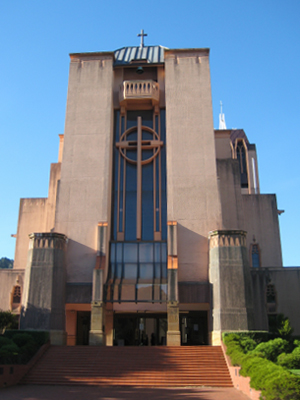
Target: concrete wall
pixel 287 284
pixel 261 220
pixel 230 193
pixel 86 165
pixel 222 143
pixel 32 218
pixel 193 198
pixel 8 279
pixel 52 194
pixel 36 215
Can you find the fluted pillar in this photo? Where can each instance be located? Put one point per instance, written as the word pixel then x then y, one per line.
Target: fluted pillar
pixel 96 335
pixel 43 303
pixel 230 278
pixel 173 333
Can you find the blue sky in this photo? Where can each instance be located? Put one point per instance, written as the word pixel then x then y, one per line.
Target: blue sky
pixel 254 59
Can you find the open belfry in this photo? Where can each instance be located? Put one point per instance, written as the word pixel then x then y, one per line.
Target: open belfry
pixel 154 231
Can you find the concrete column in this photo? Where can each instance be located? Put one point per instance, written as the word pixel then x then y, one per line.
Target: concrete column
pixel 173 333
pixel 97 337
pixel 43 303
pixel 231 283
pixel 109 327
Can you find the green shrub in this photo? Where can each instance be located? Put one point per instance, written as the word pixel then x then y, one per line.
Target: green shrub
pixel 271 350
pixel 40 337
pixel 283 386
pixel 285 330
pixel 257 336
pixel 24 344
pixel 248 344
pixel 4 341
pixel 296 351
pixel 275 382
pixel 21 339
pixel 9 354
pixel 289 361
pixel 7 321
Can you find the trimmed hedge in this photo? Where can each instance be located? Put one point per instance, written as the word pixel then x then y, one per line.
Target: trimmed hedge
pixel 291 360
pixel 40 337
pixel 275 382
pixel 18 347
pixel 272 349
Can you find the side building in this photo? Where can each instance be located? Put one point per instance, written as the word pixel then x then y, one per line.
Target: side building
pixel 154 230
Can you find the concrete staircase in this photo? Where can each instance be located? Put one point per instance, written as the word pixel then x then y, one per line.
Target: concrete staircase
pixel 131 366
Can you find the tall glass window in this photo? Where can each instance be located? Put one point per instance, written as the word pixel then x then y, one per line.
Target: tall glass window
pixel 139 211
pixel 138 249
pixel 255 256
pixel 241 155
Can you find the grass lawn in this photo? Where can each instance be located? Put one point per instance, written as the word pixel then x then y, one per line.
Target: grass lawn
pixel 295 371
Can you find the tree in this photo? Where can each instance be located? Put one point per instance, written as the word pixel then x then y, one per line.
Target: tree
pixel 7 321
pixel 6 262
pixel 285 330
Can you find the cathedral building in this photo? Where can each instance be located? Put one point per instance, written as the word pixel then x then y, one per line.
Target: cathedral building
pixel 154 230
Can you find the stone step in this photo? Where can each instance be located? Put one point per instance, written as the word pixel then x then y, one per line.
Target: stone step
pixel 131 366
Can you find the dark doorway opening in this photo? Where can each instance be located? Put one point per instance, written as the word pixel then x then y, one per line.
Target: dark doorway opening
pixel 140 329
pixel 83 327
pixel 194 328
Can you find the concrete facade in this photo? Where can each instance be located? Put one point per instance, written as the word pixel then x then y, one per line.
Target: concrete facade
pixel 154 230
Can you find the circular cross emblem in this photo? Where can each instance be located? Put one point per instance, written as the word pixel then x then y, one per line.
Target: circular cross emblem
pixel 144 144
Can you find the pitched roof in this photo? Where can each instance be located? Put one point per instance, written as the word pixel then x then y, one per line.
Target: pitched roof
pixel 149 54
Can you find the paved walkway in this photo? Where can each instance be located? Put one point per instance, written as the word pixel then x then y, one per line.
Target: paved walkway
pixel 100 393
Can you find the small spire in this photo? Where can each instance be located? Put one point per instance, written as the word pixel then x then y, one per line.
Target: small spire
pixel 222 123
pixel 142 34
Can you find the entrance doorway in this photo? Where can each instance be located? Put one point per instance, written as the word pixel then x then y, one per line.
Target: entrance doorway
pixel 140 329
pixel 193 327
pixel 83 327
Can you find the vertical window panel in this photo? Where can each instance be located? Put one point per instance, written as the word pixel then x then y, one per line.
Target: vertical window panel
pixel 130 252
pixel 146 252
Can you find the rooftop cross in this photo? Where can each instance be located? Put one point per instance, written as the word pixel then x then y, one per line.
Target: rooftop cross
pixel 142 34
pixel 222 123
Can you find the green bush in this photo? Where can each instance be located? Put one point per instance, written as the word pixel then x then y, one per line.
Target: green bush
pixel 296 351
pixel 24 345
pixel 275 382
pixel 248 344
pixel 285 330
pixel 4 341
pixel 40 337
pixel 283 386
pixel 21 339
pixel 7 321
pixel 289 361
pixel 257 336
pixel 9 354
pixel 271 350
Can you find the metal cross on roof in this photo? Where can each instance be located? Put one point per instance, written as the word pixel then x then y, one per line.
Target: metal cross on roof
pixel 142 34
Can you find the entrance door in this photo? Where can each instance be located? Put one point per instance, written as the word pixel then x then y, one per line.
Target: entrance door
pixel 194 328
pixel 140 330
pixel 83 327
